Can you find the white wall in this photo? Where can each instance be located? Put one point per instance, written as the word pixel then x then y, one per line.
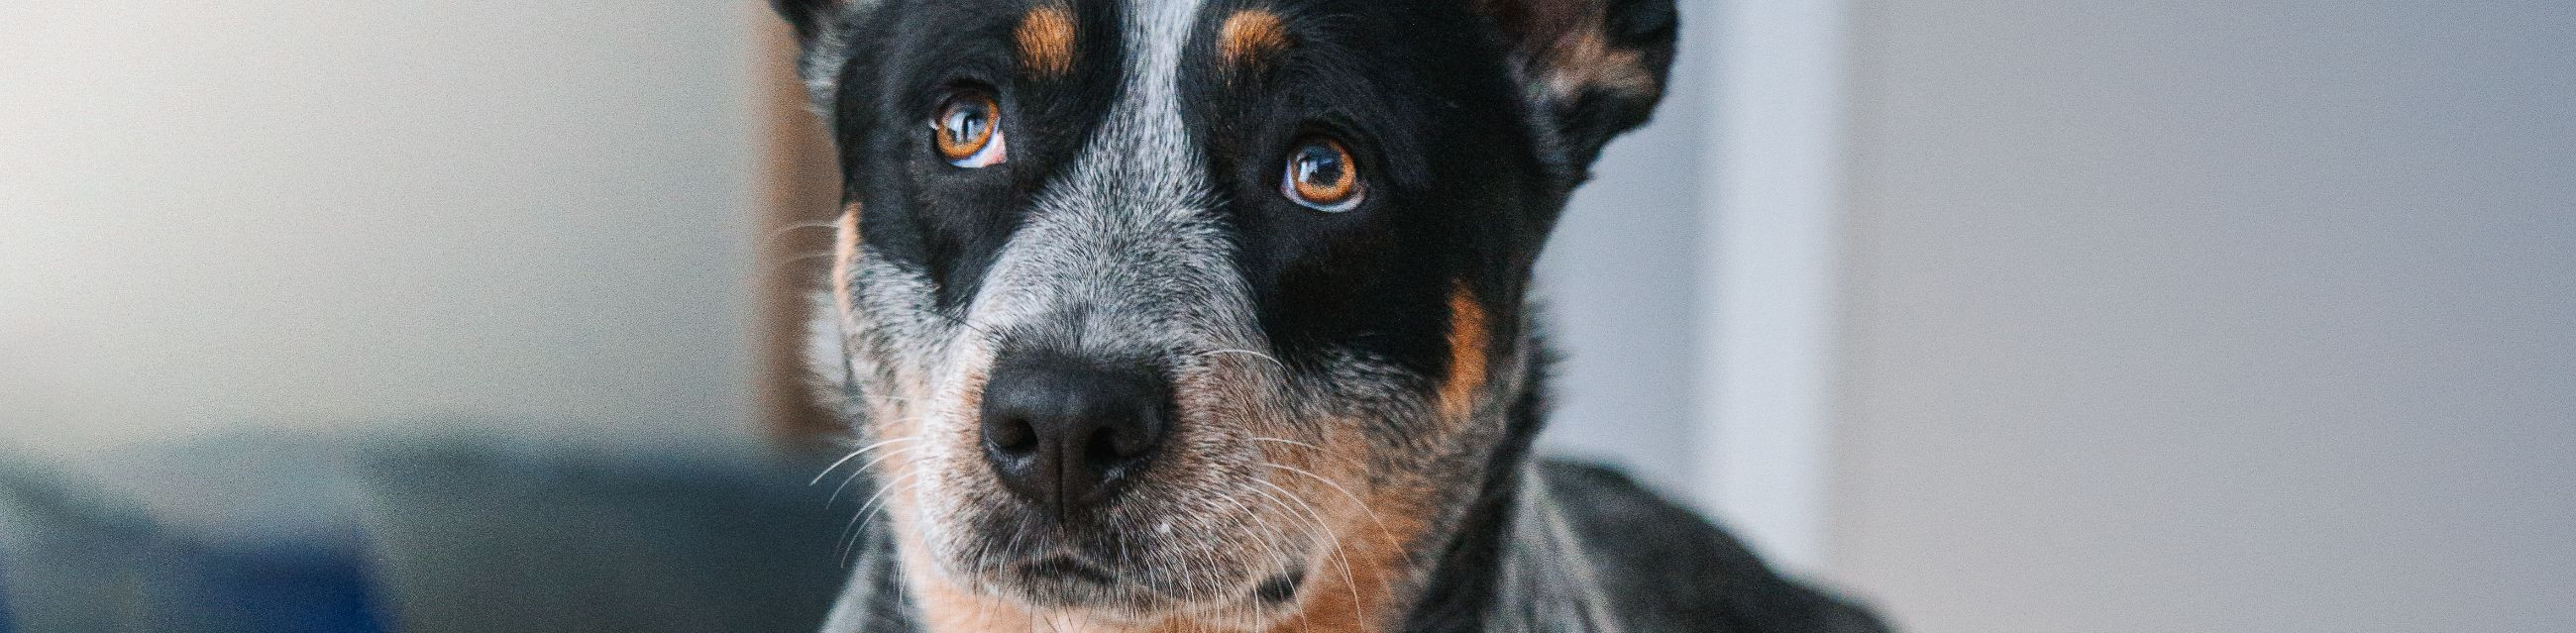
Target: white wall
pixel 1620 282
pixel 2211 316
pixel 314 214
pixel 311 213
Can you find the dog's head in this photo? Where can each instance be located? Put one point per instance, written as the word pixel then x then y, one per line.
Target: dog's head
pixel 1199 308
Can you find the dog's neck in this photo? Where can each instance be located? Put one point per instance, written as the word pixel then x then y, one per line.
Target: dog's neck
pixel 1513 565
pixel 1505 562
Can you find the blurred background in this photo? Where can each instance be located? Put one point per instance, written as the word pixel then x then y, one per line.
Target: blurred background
pixel 2005 316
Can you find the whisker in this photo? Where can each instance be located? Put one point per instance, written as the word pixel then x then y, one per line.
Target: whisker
pixel 1247 619
pixel 1320 525
pixel 1273 359
pixel 960 321
pixel 912 487
pixel 818 477
pixel 1319 451
pixel 863 471
pixel 1289 442
pixel 1264 524
pixel 789 264
pixel 1388 534
pixel 851 540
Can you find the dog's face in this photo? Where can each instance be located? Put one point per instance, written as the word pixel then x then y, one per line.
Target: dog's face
pixel 1199 308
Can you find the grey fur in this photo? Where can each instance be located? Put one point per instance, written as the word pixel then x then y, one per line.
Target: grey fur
pixel 1123 257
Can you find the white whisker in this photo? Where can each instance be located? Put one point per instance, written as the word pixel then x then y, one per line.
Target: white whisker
pixel 818 477
pixel 1389 535
pixel 1273 359
pixel 862 471
pixel 1348 581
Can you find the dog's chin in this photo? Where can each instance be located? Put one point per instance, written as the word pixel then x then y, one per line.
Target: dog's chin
pixel 1067 586
pixel 1138 590
pixel 1067 583
pixel 1099 573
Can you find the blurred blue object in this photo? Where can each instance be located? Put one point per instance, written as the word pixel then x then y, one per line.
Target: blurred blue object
pixel 251 534
pixel 488 534
pixel 4 599
pixel 318 534
pixel 291 592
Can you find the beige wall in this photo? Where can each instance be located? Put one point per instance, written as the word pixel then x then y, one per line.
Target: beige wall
pixel 319 214
pixel 1618 284
pixel 2212 316
pixel 322 214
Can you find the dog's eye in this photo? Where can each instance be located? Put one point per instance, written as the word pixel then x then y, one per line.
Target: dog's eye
pixel 968 131
pixel 1321 176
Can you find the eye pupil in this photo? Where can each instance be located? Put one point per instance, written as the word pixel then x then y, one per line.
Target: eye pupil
pixel 1320 177
pixel 1319 165
pixel 964 124
pixel 964 131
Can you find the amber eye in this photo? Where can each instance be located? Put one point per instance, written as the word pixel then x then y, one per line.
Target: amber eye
pixel 968 131
pixel 1321 176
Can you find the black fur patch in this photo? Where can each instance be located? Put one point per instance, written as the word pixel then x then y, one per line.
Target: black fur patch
pixel 1280 589
pixel 1468 132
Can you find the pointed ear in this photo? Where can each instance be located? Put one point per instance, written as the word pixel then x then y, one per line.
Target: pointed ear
pixel 810 17
pixel 1591 69
pixel 822 40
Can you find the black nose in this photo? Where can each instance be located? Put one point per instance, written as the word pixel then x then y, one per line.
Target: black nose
pixel 1063 433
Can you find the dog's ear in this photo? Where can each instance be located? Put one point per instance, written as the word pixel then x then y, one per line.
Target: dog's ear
pixel 822 40
pixel 1590 69
pixel 810 17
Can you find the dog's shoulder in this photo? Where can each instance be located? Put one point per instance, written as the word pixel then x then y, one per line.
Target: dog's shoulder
pixel 1671 570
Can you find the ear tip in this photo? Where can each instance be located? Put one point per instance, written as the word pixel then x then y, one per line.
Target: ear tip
pixel 1643 21
pixel 805 15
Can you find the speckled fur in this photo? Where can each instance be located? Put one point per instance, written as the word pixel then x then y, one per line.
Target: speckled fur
pixel 1393 488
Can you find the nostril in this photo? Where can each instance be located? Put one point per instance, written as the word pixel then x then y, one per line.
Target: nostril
pixel 1129 440
pixel 1119 446
pixel 1012 435
pixel 1103 448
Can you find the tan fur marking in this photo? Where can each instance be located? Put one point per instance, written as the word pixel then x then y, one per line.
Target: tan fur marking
pixel 1250 38
pixel 1045 38
pixel 1365 602
pixel 1586 60
pixel 1467 338
pixel 1565 43
pixel 1355 584
pixel 946 608
pixel 845 253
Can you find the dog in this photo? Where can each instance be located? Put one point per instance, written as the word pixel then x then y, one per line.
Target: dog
pixel 1212 315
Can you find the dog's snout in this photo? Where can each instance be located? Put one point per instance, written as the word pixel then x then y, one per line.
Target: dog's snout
pixel 1063 433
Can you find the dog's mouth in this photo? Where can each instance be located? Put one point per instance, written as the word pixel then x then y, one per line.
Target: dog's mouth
pixel 1071 582
pixel 1135 575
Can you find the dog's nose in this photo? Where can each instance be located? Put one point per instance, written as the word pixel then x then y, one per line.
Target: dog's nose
pixel 1064 433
